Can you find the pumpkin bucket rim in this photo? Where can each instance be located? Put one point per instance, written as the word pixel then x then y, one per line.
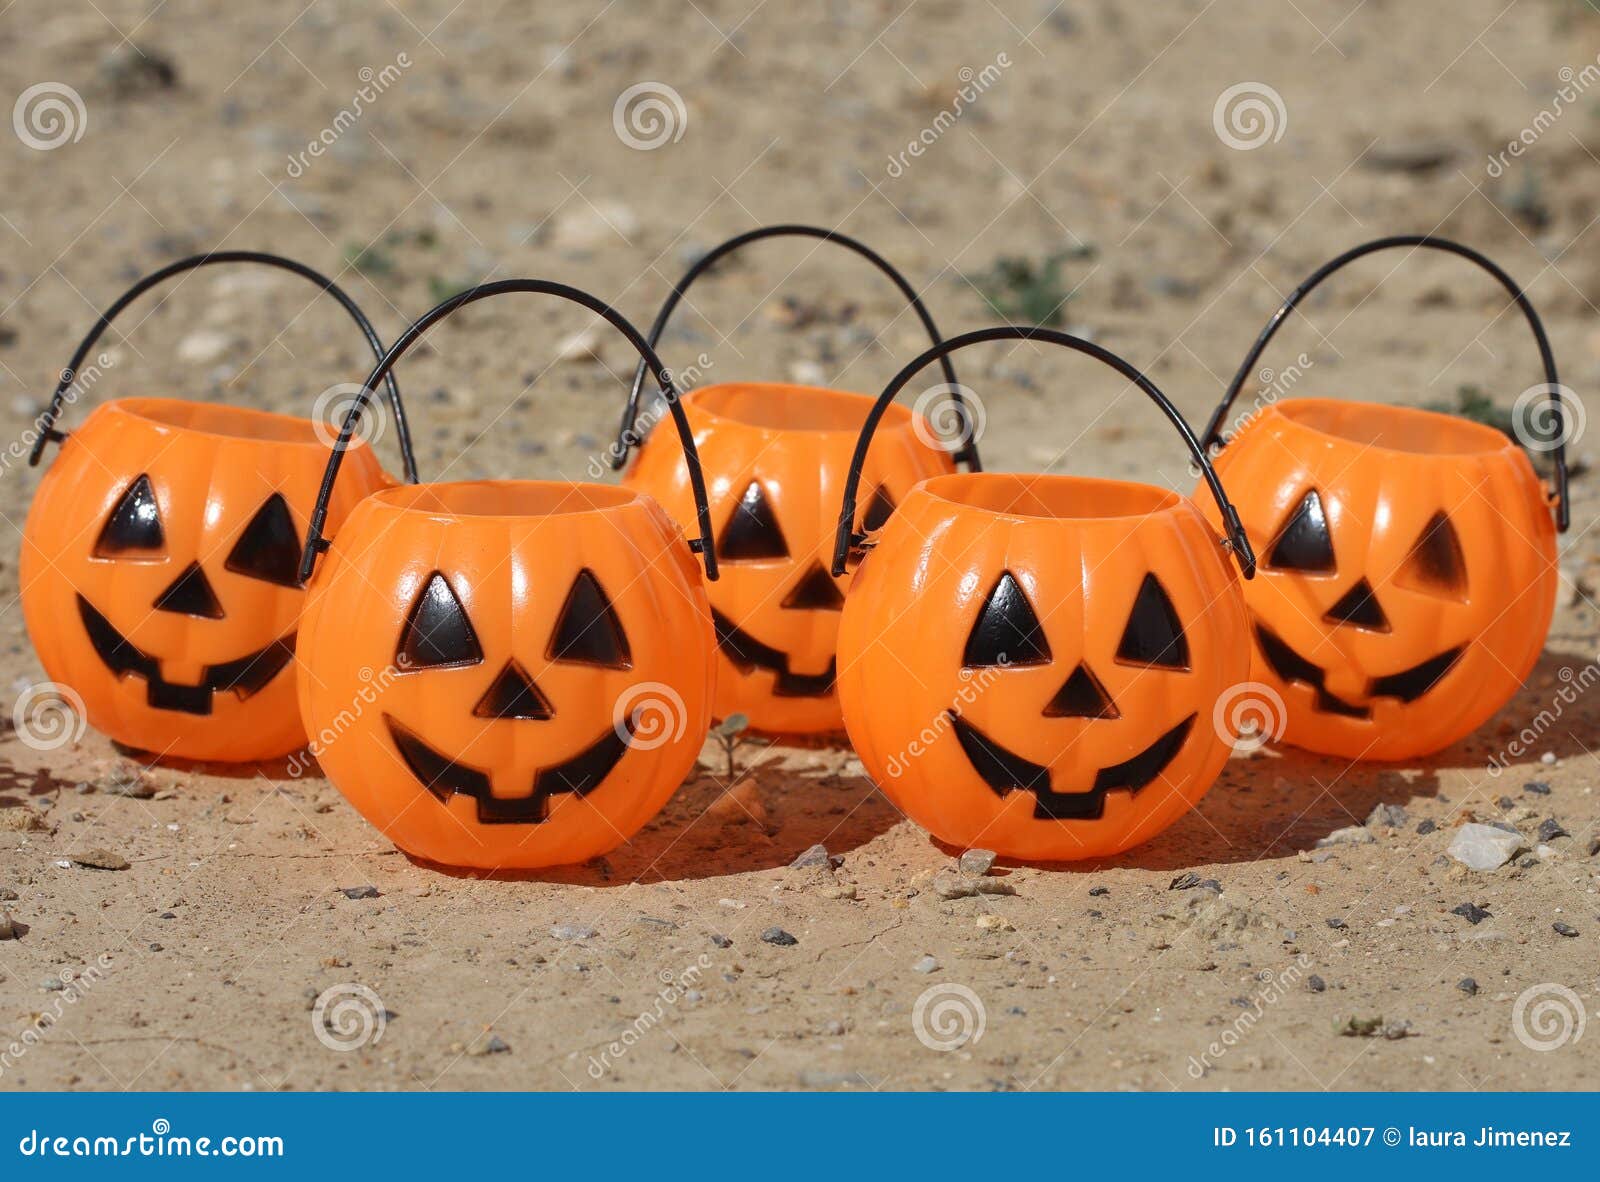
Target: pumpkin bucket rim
pixel 1422 434
pixel 1056 497
pixel 785 406
pixel 507 500
pixel 221 420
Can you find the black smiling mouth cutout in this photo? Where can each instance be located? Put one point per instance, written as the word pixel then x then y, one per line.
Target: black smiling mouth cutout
pixel 444 777
pixel 750 655
pixel 245 677
pixel 1407 686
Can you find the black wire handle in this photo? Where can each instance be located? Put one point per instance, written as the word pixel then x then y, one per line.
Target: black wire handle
pixel 627 434
pixel 1213 433
pixel 845 537
pixel 47 429
pixel 316 543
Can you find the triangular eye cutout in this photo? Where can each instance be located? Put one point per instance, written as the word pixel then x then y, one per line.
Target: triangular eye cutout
pixel 752 532
pixel 879 510
pixel 1359 607
pixel 1303 542
pixel 134 525
pixel 437 633
pixel 1153 635
pixel 815 592
pixel 588 631
pixel 269 547
pixel 1007 631
pixel 190 594
pixel 1082 696
pixel 1436 563
pixel 514 695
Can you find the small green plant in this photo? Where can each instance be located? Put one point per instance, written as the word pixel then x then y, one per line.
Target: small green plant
pixel 441 289
pixel 372 260
pixel 730 736
pixel 1026 291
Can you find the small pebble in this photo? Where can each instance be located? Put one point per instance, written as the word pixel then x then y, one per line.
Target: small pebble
pixel 926 965
pixel 1337 924
pixel 1096 892
pixel 100 859
pixel 1471 912
pixel 10 929
pixel 1538 788
pixel 493 1045
pixel 1485 847
pixel 720 940
pixel 779 937
pixel 1315 983
pixel 817 855
pixel 1426 827
pixel 994 923
pixel 1391 815
pixel 1552 829
pixel 573 931
pixel 1349 835
pixel 359 892
pixel 1548 758
pixel 1468 986
pixel 976 863
pixel 1564 929
pixel 52 984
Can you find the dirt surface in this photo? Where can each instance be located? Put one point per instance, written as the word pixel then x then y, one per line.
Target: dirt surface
pixel 491 152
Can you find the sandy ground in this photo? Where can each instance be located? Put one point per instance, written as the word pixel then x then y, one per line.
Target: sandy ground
pixel 492 153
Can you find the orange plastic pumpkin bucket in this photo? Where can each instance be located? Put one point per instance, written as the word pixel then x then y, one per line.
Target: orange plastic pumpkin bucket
pixel 507 674
pixel 159 559
pixel 1032 664
pixel 775 456
pixel 1408 572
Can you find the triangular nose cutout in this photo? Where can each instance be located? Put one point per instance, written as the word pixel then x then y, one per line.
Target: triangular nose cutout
pixel 1082 696
pixel 815 592
pixel 191 595
pixel 1359 607
pixel 513 695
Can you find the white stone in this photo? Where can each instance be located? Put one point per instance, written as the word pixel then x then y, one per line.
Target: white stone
pixel 1484 847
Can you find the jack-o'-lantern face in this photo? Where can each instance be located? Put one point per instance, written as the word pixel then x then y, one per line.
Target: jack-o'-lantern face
pixel 545 658
pixel 1407 573
pixel 1056 647
pixel 775 459
pixel 159 572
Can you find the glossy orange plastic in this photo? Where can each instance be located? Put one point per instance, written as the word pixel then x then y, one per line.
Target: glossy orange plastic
pixel 158 571
pixel 1408 572
pixel 1408 558
pixel 1031 664
pixel 776 457
pixel 507 675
